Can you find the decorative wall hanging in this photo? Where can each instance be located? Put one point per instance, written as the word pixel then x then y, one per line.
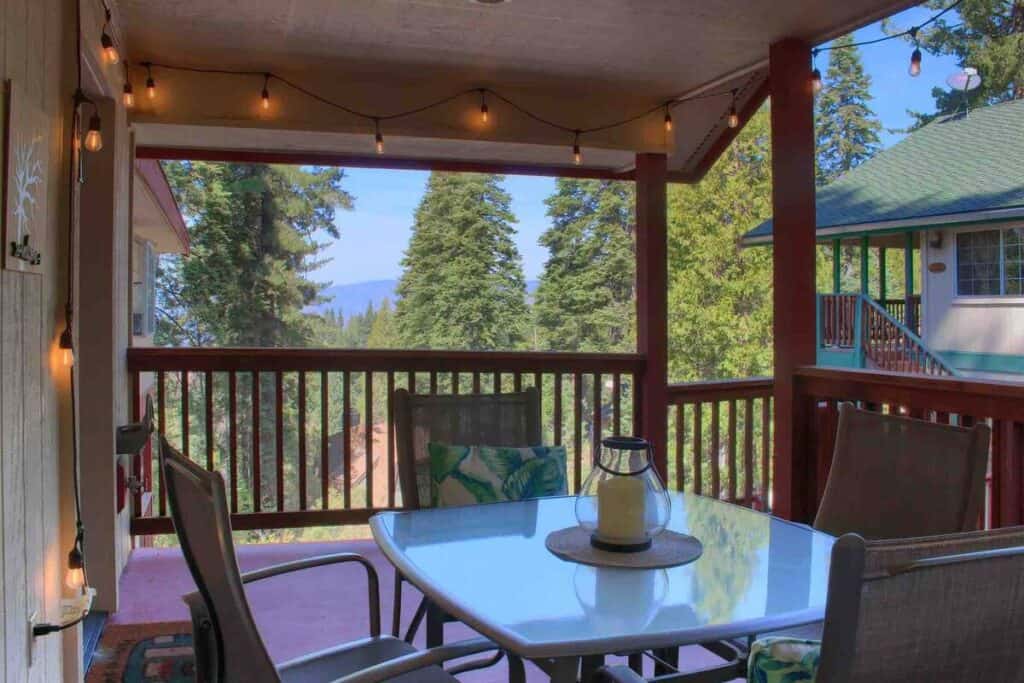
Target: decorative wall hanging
pixel 25 150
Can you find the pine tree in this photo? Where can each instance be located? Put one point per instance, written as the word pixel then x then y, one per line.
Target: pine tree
pixel 383 332
pixel 585 298
pixel 985 34
pixel 847 128
pixel 462 284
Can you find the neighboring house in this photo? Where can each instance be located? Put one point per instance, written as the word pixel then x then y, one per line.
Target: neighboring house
pixel 954 191
pixel 157 228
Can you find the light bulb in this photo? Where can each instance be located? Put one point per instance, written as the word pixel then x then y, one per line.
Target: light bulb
pixel 484 114
pixel 128 97
pixel 67 357
pixel 94 139
pixel 380 143
pixel 265 95
pixel 734 118
pixel 668 122
pixel 74 578
pixel 915 63
pixel 151 88
pixel 816 80
pixel 577 157
pixel 109 49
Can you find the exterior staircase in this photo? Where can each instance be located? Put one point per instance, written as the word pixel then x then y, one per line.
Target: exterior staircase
pixel 856 331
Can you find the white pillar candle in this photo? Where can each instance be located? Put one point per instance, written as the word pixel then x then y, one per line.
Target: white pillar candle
pixel 621 509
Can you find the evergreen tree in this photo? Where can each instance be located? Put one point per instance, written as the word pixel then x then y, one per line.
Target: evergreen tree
pixel 847 128
pixel 985 34
pixel 383 332
pixel 585 298
pixel 462 283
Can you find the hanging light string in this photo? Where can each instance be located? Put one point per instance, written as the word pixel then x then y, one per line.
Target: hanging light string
pixel 912 33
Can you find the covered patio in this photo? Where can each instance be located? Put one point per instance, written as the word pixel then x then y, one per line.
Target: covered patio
pixel 648 94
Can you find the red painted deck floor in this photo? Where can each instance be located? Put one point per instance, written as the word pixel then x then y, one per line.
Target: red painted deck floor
pixel 300 613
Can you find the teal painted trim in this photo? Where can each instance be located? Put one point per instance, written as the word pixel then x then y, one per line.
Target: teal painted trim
pixel 864 248
pixel 825 239
pixel 858 345
pixel 881 274
pixel 984 362
pixel 819 303
pixel 839 359
pixel 908 265
pixel 837 255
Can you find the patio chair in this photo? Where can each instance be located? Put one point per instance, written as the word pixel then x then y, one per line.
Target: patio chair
pixel 511 419
pixel 943 608
pixel 897 477
pixel 227 644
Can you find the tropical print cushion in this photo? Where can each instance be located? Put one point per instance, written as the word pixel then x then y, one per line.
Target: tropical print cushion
pixel 783 660
pixel 467 475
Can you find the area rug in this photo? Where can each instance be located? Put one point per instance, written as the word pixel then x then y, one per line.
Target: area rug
pixel 144 653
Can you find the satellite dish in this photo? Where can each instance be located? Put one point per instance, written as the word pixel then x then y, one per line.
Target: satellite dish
pixel 965 80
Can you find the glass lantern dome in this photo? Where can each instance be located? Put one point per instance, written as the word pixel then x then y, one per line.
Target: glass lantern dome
pixel 623 503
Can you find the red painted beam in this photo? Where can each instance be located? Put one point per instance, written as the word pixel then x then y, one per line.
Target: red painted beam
pixel 793 196
pixel 652 301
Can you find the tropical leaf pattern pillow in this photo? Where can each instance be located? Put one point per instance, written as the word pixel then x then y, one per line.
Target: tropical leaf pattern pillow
pixel 468 475
pixel 783 660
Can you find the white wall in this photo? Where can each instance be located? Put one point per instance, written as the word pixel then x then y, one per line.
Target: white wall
pixel 971 324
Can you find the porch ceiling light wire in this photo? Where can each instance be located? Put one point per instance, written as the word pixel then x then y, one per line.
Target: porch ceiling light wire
pixel 911 32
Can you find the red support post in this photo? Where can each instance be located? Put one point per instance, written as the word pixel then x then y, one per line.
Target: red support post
pixel 792 121
pixel 652 302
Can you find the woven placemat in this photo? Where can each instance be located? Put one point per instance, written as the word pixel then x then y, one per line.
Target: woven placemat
pixel 669 549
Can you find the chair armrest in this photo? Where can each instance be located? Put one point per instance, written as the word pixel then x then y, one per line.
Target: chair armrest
pixel 393 668
pixel 372 582
pixel 617 674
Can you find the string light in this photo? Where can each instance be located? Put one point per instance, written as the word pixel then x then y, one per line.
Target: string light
pixel 94 138
pixel 577 156
pixel 815 74
pixel 128 97
pixel 668 119
pixel 150 83
pixel 915 56
pixel 74 577
pixel 378 138
pixel 67 344
pixel 734 118
pixel 484 112
pixel 265 95
pixel 109 49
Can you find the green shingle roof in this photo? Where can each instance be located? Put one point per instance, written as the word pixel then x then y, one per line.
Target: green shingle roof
pixel 954 165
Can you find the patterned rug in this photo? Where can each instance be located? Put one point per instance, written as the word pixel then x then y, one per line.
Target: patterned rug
pixel 144 653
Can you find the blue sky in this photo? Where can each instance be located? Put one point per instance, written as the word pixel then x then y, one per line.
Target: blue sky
pixel 375 233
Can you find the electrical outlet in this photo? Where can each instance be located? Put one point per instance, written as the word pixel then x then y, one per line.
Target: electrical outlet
pixel 31 644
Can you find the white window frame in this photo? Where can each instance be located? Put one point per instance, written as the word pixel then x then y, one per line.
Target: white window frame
pixel 1002 266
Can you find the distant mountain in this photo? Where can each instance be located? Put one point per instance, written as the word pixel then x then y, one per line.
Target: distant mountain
pixel 353 298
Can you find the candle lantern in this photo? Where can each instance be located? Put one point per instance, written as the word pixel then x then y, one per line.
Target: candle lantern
pixel 623 503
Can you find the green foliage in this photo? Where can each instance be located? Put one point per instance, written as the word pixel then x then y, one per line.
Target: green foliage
pixel 720 305
pixel 985 34
pixel 462 286
pixel 383 332
pixel 847 128
pixel 585 299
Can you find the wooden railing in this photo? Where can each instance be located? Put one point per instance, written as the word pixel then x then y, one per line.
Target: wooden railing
pixel 304 437
pixel 838 320
pixel 722 442
pixel 938 399
pixel 891 346
pixel 897 308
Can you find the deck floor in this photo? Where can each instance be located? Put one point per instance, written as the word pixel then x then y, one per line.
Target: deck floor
pixel 311 610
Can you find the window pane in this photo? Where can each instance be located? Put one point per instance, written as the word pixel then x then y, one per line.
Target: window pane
pixel 1013 253
pixel 978 255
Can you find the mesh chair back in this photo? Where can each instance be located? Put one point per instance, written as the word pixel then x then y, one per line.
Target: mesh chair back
pixel 200 513
pixel 947 608
pixel 896 477
pixel 466 419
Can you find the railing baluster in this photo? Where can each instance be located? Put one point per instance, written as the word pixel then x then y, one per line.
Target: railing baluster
pixel 302 441
pixel 433 382
pixel 279 437
pixel 233 437
pixel 766 440
pixel 161 412
pixel 476 382
pixel 391 431
pixel 368 395
pixel 184 414
pixel 208 396
pixel 346 438
pixel 257 460
pixel 325 444
pixel 732 451
pixel 136 393
pixel 557 412
pixel 597 429
pixel 680 438
pixel 455 383
pixel 616 403
pixel 411 382
pixel 517 382
pixel 577 440
pixel 716 489
pixel 496 383
pixel 748 451
pixel 698 455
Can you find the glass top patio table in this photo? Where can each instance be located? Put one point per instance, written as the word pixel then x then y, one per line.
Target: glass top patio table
pixel 487 566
